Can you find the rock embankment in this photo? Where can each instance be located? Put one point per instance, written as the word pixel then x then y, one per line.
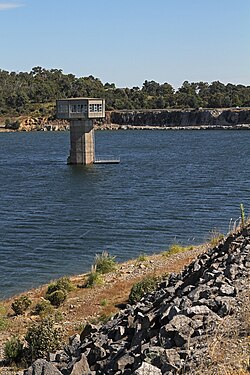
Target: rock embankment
pixel 167 331
pixel 37 124
pixel 182 118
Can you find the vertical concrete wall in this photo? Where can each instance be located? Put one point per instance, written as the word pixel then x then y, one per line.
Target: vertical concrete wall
pixel 81 142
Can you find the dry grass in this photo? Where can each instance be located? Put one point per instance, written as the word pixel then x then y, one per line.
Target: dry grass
pixel 176 249
pixel 228 349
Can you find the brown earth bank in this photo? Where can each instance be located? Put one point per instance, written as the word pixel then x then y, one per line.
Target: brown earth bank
pixel 208 299
pixel 236 118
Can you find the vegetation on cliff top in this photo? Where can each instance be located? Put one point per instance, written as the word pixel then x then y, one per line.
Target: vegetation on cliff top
pixel 35 92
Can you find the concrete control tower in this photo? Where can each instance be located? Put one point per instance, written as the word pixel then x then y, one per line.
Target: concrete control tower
pixel 81 112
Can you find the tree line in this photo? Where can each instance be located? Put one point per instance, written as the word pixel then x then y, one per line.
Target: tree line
pixel 35 93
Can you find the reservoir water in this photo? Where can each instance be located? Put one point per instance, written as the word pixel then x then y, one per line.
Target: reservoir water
pixel 171 186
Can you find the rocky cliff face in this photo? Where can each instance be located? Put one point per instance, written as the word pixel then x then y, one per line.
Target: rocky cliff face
pixel 176 118
pixel 167 331
pixel 37 124
pixel 42 124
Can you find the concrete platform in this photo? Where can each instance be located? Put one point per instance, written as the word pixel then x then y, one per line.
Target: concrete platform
pixel 107 161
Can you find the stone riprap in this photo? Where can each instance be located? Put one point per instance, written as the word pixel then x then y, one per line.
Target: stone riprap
pixel 166 331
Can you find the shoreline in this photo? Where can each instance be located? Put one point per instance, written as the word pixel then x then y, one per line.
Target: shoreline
pixel 90 305
pixel 188 127
pixel 147 119
pixel 116 127
pixel 95 306
pixel 155 259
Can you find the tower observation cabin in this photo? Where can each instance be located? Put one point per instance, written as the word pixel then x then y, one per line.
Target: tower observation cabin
pixel 81 112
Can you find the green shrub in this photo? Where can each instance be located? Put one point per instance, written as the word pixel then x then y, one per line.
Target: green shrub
pixel 94 278
pixel 104 262
pixel 43 308
pixel 138 290
pixel 43 338
pixel 51 288
pixel 57 292
pixel 13 350
pixel 57 297
pixel 21 304
pixel 63 283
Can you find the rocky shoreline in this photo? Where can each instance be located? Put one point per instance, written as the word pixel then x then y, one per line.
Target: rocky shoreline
pixel 196 127
pixel 168 332
pixel 200 119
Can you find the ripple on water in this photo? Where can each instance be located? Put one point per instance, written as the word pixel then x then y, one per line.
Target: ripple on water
pixel 170 186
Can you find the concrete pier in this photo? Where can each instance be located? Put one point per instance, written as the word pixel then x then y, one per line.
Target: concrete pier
pixel 81 112
pixel 82 150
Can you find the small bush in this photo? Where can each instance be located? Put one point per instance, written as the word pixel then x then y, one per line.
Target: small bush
pixel 63 283
pixel 21 304
pixel 57 292
pixel 13 350
pixel 57 297
pixel 43 338
pixel 138 290
pixel 51 288
pixel 94 278
pixel 43 308
pixel 104 262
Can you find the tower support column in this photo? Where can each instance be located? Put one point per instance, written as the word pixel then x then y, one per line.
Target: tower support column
pixel 82 150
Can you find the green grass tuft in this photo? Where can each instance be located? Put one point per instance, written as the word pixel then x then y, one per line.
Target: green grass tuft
pixel 176 249
pixel 94 278
pixel 215 237
pixel 138 290
pixel 104 263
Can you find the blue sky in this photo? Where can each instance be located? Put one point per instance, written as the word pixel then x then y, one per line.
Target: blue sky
pixel 128 41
